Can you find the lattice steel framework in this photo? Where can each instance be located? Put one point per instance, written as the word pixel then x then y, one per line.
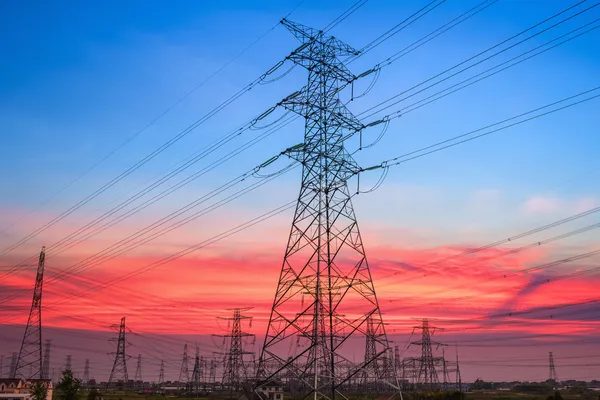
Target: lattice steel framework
pixel 13 364
pixel 184 373
pixel 46 364
pixel 119 369
pixel 427 375
pixel 161 374
pixel 552 375
pixel 138 370
pixel 235 369
pixel 325 294
pixel 29 361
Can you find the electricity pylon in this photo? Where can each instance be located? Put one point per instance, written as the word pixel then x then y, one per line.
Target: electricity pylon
pixel 119 369
pixel 325 260
pixel 427 376
pixel 235 368
pixel 29 362
pixel 552 376
pixel 138 371
pixel 458 376
pixel 161 374
pixel 1 366
pixel 86 372
pixel 195 383
pixel 13 365
pixel 68 363
pixel 46 362
pixel 185 372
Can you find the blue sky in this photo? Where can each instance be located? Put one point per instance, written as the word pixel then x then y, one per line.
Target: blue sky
pixel 82 78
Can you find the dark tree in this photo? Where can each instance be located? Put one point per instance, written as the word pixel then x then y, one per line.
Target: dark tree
pixel 69 386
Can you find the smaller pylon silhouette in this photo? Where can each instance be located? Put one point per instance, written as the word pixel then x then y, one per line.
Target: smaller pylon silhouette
pixel 235 368
pixel 1 366
pixel 30 355
pixel 458 377
pixel 552 376
pixel 86 372
pixel 184 374
pixel 161 374
pixel 119 369
pixel 371 371
pixel 427 376
pixel 13 365
pixel 46 363
pixel 195 384
pixel 68 363
pixel 138 370
pixel 213 371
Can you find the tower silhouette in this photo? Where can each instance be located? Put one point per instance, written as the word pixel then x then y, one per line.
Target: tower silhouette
pixel 325 294
pixel 119 368
pixel 29 361
pixel 195 383
pixel 86 372
pixel 552 376
pixel 46 364
pixel 13 365
pixel 161 375
pixel 138 371
pixel 68 363
pixel 184 374
pixel 235 368
pixel 427 376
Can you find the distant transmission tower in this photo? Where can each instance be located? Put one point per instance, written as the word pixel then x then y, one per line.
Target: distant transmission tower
pixel 212 371
pixel 119 369
pixel 68 363
pixel 86 372
pixel 161 375
pixel 458 376
pixel 46 363
pixel 13 365
pixel 427 376
pixel 138 370
pixel 1 366
pixel 184 374
pixel 371 372
pixel 552 376
pixel 30 355
pixel 235 368
pixel 324 260
pixel 195 384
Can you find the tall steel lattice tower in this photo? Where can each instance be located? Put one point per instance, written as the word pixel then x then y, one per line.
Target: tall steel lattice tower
pixel 46 364
pixel 68 363
pixel 161 374
pixel 119 369
pixel 552 376
pixel 86 372
pixel 29 362
pixel 324 260
pixel 235 368
pixel 185 372
pixel 1 366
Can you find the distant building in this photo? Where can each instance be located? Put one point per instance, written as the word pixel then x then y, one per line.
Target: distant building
pixel 20 389
pixel 271 391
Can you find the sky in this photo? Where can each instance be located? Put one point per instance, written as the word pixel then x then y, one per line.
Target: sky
pixel 89 90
